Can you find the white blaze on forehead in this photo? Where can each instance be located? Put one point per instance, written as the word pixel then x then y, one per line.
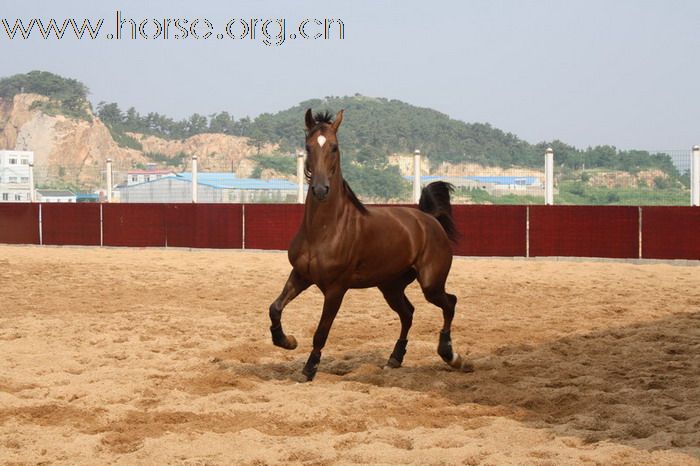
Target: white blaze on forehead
pixel 321 141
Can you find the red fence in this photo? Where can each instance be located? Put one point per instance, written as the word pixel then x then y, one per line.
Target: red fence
pixel 510 231
pixel 671 233
pixel 77 224
pixel 134 224
pixel 204 225
pixel 491 230
pixel 176 225
pixel 584 231
pixel 271 226
pixel 19 223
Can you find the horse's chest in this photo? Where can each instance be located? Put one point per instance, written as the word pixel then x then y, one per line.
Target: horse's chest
pixel 320 265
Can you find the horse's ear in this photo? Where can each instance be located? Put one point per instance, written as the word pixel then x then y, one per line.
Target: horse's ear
pixel 310 122
pixel 337 121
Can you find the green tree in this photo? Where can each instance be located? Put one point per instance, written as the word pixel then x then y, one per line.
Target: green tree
pixel 66 96
pixel 110 114
pixel 197 124
pixel 222 123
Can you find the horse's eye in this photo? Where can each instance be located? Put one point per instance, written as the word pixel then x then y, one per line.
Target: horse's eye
pixel 334 147
pixel 308 148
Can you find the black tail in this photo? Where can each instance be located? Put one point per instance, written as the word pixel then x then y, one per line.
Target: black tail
pixel 435 200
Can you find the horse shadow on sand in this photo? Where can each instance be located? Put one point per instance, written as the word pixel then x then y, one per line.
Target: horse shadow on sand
pixel 636 385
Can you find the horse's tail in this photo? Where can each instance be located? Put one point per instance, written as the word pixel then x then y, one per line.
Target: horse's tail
pixel 435 200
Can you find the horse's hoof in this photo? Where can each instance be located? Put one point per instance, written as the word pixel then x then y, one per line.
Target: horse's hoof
pixel 286 342
pixel 456 361
pixel 311 366
pixel 282 340
pixel 291 343
pixel 467 367
pixel 309 374
pixel 392 364
pixel 460 364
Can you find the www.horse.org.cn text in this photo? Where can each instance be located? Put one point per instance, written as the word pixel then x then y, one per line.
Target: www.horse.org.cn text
pixel 266 31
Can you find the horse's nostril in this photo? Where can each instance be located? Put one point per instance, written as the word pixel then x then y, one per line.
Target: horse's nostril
pixel 320 191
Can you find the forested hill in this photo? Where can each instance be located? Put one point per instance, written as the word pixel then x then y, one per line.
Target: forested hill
pixel 376 127
pixel 372 129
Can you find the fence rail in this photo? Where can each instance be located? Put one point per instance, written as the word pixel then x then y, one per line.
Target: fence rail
pixel 508 231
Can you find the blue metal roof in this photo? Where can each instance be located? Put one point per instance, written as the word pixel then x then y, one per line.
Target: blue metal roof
pixel 226 180
pixel 521 180
pixel 500 180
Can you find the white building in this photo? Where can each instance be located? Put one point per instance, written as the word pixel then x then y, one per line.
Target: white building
pixel 55 195
pixel 14 175
pixel 144 176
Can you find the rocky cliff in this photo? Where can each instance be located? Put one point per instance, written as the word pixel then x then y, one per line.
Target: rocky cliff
pixel 66 150
pixel 72 152
pixel 215 152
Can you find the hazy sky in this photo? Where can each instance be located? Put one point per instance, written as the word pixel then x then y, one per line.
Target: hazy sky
pixel 619 72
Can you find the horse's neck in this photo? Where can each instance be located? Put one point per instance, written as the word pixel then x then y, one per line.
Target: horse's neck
pixel 335 211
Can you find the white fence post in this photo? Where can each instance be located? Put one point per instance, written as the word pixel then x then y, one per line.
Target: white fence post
pixel 695 177
pixel 194 179
pixel 549 176
pixel 109 180
pixel 32 191
pixel 416 176
pixel 300 177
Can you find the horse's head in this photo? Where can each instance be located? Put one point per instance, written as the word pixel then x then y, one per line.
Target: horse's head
pixel 323 154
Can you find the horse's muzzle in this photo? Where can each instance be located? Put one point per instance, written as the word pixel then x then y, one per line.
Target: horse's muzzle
pixel 320 192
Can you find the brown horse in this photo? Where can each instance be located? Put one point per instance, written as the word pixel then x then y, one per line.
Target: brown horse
pixel 342 244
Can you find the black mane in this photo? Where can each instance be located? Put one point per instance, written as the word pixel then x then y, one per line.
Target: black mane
pixel 323 117
pixel 348 192
pixel 353 198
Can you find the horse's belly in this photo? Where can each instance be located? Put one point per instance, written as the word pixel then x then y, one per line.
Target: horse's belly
pixel 378 272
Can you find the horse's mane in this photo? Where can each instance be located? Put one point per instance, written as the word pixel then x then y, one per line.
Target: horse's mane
pixel 323 117
pixel 353 198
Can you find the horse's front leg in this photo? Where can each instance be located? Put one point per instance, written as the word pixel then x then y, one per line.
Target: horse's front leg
pixel 331 304
pixel 294 286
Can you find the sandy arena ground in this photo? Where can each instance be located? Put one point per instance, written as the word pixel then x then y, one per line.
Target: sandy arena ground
pixel 138 356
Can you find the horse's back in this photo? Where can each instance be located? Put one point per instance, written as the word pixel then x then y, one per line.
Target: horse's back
pixel 412 231
pixel 421 226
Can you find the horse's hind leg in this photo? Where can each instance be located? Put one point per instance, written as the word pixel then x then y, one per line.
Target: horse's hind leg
pixel 447 302
pixel 397 300
pixel 294 286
